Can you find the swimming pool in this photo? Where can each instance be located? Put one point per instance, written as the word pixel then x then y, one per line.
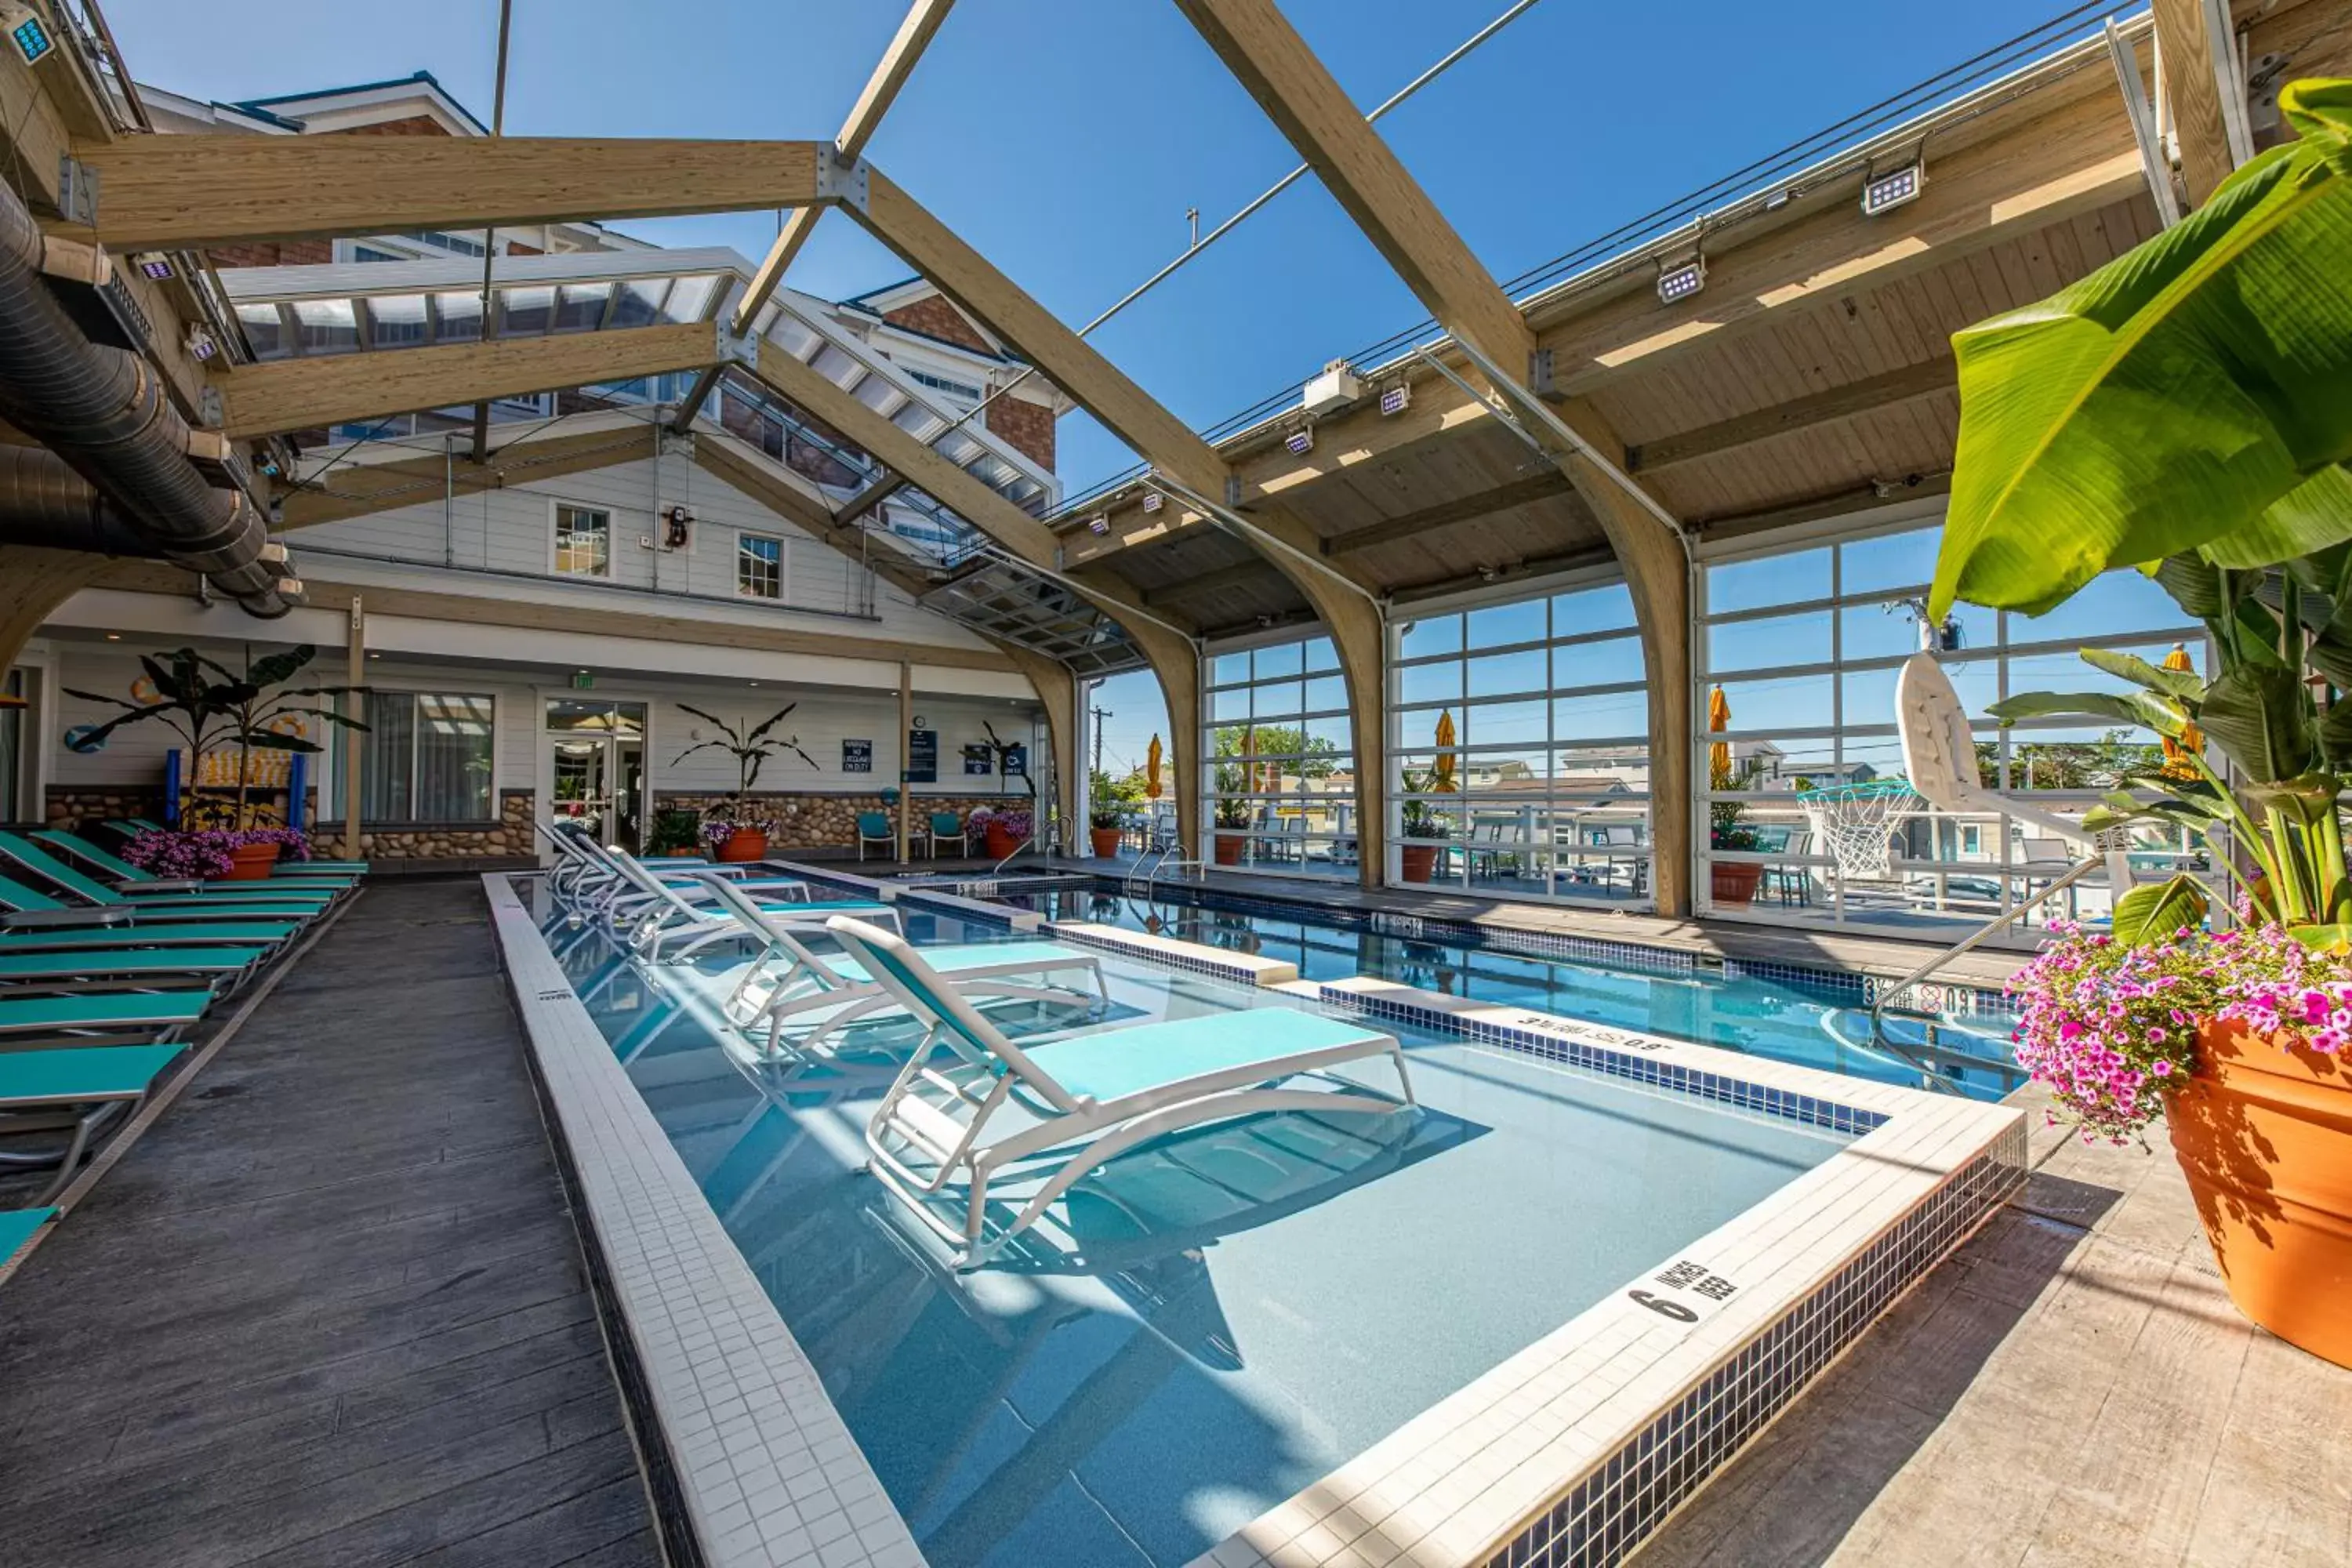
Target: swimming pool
pixel 1218 1320
pixel 1820 1023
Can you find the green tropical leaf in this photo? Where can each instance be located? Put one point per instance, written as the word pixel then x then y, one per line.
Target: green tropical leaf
pixel 2152 913
pixel 734 737
pixel 2324 938
pixel 118 702
pixel 2315 515
pixel 2260 715
pixel 2156 713
pixel 2309 799
pixel 271 741
pixel 2335 737
pixel 772 721
pixel 2171 397
pixel 2181 683
pixel 280 668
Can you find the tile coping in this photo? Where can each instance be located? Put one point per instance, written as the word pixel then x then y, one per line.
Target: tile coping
pixel 1486 1475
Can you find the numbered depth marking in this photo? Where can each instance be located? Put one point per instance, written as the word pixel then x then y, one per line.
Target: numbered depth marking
pixel 1685 1290
pixel 1610 1038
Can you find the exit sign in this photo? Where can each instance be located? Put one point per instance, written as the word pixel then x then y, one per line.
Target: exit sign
pixel 582 681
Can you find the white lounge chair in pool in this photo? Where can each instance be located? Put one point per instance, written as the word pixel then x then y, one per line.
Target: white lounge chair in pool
pixel 1081 1099
pixel 603 891
pixel 789 983
pixel 671 924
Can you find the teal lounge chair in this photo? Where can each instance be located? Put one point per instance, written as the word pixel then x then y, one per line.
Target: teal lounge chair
pixel 790 982
pixel 673 925
pixel 16 1228
pixel 1084 1098
pixel 34 922
pixel 168 901
pixel 122 873
pixel 82 1087
pixel 124 968
pixel 148 1015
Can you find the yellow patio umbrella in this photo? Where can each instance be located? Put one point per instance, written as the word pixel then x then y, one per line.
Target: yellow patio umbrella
pixel 1151 770
pixel 2177 753
pixel 1440 773
pixel 1719 755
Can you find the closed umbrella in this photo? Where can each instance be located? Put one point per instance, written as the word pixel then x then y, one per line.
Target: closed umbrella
pixel 2177 753
pixel 1151 770
pixel 1441 773
pixel 1719 755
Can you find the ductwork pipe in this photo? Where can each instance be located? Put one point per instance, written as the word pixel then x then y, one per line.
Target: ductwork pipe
pixel 105 413
pixel 43 502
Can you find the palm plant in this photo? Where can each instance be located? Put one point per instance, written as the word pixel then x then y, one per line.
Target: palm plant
pixel 750 746
pixel 208 705
pixel 2187 409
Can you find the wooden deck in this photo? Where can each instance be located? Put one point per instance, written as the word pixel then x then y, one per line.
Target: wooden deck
pixel 330 1308
pixel 2071 1388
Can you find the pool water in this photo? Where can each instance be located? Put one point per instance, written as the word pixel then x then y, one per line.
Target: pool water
pixel 1767 1018
pixel 1213 1320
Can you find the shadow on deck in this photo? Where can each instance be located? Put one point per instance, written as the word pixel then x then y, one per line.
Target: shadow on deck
pixel 331 1308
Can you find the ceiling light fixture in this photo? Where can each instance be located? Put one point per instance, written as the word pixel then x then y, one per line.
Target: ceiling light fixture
pixel 1300 442
pixel 154 266
pixel 1153 501
pixel 1683 279
pixel 29 32
pixel 1396 398
pixel 1885 193
pixel 1098 523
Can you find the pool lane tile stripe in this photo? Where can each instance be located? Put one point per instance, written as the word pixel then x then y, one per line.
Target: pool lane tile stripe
pixel 1571 1452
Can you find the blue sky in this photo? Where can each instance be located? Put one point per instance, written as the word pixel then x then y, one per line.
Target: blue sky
pixel 1067 138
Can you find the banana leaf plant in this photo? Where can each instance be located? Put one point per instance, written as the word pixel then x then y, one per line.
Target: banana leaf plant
pixel 2194 394
pixel 208 705
pixel 750 746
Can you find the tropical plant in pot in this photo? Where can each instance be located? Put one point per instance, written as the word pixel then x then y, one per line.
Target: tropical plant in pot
pixel 210 707
pixel 1112 800
pixel 733 828
pixel 2189 405
pixel 1419 818
pixel 674 832
pixel 1231 811
pixel 1004 832
pixel 1733 881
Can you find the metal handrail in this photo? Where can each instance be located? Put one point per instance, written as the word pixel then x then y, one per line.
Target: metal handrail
pixel 1983 933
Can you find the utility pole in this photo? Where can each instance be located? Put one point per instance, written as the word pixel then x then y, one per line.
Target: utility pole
pixel 1099 714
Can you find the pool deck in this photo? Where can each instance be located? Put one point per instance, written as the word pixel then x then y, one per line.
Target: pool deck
pixel 331 1308
pixel 2072 1386
pixel 1754 942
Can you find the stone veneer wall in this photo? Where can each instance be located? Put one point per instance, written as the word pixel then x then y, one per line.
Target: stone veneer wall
pixel 509 838
pixel 70 808
pixel 830 821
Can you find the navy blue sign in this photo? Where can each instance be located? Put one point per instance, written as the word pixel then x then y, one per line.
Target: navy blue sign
pixel 857 756
pixel 922 757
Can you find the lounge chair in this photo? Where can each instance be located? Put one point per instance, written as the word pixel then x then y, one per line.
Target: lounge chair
pixel 35 917
pixel 671 925
pixel 16 1228
pixel 1087 1097
pixel 620 900
pixel 147 1014
pixel 183 899
pixel 121 873
pixel 123 968
pixel 82 1087
pixel 789 982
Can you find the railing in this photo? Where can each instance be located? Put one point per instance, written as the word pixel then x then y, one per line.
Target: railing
pixel 1929 1074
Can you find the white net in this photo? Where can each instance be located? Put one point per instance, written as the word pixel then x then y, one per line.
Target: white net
pixel 1854 824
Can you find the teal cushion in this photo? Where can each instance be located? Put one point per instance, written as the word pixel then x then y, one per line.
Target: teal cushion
pixel 103 1009
pixel 82 1073
pixel 1116 1063
pixel 17 1227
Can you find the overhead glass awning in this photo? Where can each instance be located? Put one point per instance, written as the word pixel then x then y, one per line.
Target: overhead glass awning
pixel 1009 601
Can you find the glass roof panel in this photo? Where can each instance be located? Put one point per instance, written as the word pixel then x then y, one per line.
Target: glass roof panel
pixel 326 326
pixel 689 297
pixel 459 317
pixel 395 320
pixel 524 312
pixel 264 329
pixel 640 302
pixel 580 306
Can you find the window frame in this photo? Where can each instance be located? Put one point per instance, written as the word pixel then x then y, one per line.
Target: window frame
pixel 556 506
pixel 743 539
pixel 339 760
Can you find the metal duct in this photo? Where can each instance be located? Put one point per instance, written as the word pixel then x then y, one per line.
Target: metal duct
pixel 106 413
pixel 45 503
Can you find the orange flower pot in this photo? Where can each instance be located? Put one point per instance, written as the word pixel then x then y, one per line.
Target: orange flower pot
pixel 249 863
pixel 1734 881
pixel 1229 849
pixel 998 843
pixel 1417 862
pixel 2265 1135
pixel 1106 841
pixel 744 846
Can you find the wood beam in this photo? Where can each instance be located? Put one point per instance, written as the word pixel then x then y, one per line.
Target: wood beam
pixel 279 395
pixel 35 132
pixel 1542 486
pixel 890 73
pixel 889 484
pixel 167 193
pixel 1269 58
pixel 34 582
pixel 2186 44
pixel 1253 570
pixel 1888 391
pixel 360 490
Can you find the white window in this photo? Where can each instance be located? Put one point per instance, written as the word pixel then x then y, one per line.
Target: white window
pixel 954 388
pixel 583 540
pixel 758 566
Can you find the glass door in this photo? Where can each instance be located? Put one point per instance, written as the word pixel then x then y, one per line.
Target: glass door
pixel 597 767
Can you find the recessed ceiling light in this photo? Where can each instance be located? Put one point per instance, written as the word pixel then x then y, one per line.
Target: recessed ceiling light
pixel 114 637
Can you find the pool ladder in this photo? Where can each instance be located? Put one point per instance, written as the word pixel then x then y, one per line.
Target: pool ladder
pixel 1141 884
pixel 1930 1075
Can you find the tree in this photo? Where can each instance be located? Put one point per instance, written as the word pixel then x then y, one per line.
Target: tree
pixel 1316 757
pixel 2111 762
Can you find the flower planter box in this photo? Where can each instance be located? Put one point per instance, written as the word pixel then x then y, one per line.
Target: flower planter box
pixel 1229 849
pixel 2263 1131
pixel 249 863
pixel 1417 862
pixel 1734 881
pixel 998 843
pixel 1105 842
pixel 744 843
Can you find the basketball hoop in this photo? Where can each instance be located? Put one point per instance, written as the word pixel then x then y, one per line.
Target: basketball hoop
pixel 1854 823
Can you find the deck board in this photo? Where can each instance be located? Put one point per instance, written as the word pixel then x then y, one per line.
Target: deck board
pixel 331 1308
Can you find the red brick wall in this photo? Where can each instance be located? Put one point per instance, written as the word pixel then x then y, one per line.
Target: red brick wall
pixel 936 318
pixel 1027 427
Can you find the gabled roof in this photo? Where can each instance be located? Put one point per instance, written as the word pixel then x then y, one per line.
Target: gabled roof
pixel 294 109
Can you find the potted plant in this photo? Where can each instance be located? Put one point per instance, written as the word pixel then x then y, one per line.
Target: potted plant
pixel 2187 404
pixel 1004 832
pixel 1106 818
pixel 1732 882
pixel 1419 819
pixel 209 706
pixel 674 832
pixel 742 832
pixel 1232 816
